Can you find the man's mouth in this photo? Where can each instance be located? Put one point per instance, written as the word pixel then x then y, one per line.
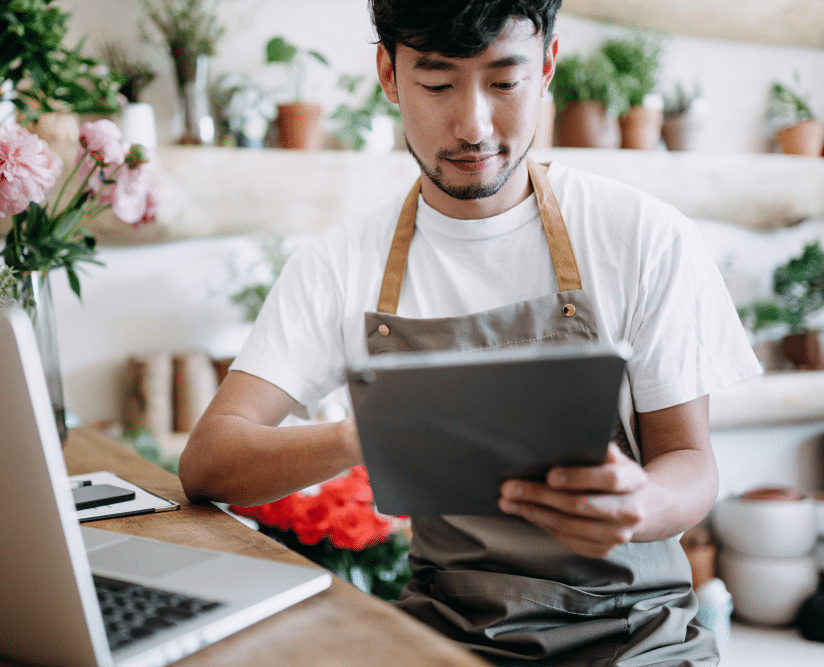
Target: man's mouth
pixel 472 163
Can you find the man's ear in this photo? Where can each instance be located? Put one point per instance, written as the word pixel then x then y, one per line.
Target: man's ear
pixel 549 62
pixel 386 74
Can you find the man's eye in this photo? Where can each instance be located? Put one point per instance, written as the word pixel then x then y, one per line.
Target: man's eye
pixel 506 85
pixel 436 89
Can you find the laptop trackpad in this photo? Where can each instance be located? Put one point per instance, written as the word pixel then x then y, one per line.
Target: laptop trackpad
pixel 146 560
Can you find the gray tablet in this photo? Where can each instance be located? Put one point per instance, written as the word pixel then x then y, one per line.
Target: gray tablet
pixel 441 430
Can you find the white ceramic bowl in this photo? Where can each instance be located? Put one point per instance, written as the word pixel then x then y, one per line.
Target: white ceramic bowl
pixel 768 591
pixel 818 501
pixel 765 528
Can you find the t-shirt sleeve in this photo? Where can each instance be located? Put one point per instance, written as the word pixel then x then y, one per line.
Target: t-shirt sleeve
pixel 296 342
pixel 687 340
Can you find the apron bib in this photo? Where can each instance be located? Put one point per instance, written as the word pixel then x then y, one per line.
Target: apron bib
pixel 499 585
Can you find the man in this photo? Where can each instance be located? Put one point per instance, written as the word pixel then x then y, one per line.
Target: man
pixel 585 568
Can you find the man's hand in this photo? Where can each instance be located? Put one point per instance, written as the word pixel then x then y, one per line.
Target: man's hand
pixel 591 510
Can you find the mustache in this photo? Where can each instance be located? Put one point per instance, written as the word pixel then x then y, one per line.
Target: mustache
pixel 465 148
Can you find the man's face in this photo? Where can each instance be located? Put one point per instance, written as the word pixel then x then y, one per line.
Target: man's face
pixel 470 121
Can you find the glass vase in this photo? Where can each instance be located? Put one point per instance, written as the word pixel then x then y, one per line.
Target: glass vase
pixel 36 298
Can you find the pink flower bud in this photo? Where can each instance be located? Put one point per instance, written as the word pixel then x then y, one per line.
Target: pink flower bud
pixel 136 156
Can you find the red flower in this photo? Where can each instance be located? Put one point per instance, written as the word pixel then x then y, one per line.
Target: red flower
pixel 356 526
pixel 341 511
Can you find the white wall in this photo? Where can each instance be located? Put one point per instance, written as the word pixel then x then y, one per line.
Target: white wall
pixel 735 77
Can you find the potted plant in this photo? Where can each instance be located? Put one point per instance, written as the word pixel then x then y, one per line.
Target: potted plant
pixel 681 121
pixel 299 122
pixel 796 128
pixel 244 109
pixel 191 30
pixel 637 62
pixel 137 119
pixel 588 100
pixel 799 289
pixel 369 126
pixel 43 76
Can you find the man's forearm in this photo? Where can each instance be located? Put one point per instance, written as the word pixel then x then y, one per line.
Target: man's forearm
pixel 233 460
pixel 683 485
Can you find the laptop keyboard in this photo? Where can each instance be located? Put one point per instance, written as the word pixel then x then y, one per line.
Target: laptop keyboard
pixel 132 612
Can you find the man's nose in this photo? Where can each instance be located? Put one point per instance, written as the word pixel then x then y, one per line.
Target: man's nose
pixel 473 117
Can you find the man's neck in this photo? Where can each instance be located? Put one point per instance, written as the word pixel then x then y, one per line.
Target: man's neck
pixel 517 188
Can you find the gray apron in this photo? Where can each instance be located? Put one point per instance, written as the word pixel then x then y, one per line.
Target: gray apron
pixel 499 585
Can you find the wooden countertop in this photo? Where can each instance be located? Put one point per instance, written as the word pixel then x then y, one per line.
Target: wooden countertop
pixel 340 626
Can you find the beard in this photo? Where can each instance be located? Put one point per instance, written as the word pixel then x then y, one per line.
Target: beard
pixel 476 190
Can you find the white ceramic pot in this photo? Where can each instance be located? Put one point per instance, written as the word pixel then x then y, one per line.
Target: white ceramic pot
pixel 768 591
pixel 765 528
pixel 138 125
pixel 818 502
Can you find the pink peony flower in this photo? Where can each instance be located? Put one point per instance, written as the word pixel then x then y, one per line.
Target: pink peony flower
pixel 28 169
pixel 152 204
pixel 131 193
pixel 102 139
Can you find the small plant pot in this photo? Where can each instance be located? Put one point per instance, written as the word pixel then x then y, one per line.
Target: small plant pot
pixel 641 128
pixel 588 125
pixel 680 132
pixel 802 139
pixel 300 125
pixel 805 350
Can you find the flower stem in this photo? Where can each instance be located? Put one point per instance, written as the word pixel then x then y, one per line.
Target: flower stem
pixel 66 182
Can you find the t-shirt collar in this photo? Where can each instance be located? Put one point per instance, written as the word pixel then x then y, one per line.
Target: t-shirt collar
pixel 429 220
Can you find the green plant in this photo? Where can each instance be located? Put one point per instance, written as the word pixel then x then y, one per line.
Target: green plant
pixel 8 285
pixel 190 28
pixel 355 120
pixel 279 51
pixel 592 79
pixel 47 76
pixel 250 297
pixel 787 106
pixel 133 75
pixel 637 62
pixel 799 288
pixel 681 101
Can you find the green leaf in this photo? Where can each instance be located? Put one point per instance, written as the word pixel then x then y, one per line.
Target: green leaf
pixel 74 281
pixel 319 57
pixel 278 50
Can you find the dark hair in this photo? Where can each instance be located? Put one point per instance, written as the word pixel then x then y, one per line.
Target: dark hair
pixel 455 28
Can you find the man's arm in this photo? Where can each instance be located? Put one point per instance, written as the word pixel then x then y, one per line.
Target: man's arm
pixel 594 509
pixel 238 454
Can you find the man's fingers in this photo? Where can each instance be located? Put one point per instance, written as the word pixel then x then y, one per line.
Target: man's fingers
pixel 598 506
pixel 585 536
pixel 619 474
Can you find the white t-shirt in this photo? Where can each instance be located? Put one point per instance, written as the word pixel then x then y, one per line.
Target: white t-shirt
pixel 642 264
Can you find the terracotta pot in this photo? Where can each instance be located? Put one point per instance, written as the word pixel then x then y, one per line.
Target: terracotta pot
pixel 641 128
pixel 802 139
pixel 680 132
pixel 587 125
pixel 805 350
pixel 300 125
pixel 701 552
pixel 546 124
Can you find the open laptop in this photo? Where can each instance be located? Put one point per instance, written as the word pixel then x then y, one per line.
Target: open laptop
pixel 440 431
pixel 162 601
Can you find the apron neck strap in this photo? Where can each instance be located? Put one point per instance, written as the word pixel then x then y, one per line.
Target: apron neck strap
pixel 560 248
pixel 396 263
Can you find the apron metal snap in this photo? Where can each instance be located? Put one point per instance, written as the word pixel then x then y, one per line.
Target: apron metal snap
pixel 569 310
pixel 383 330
